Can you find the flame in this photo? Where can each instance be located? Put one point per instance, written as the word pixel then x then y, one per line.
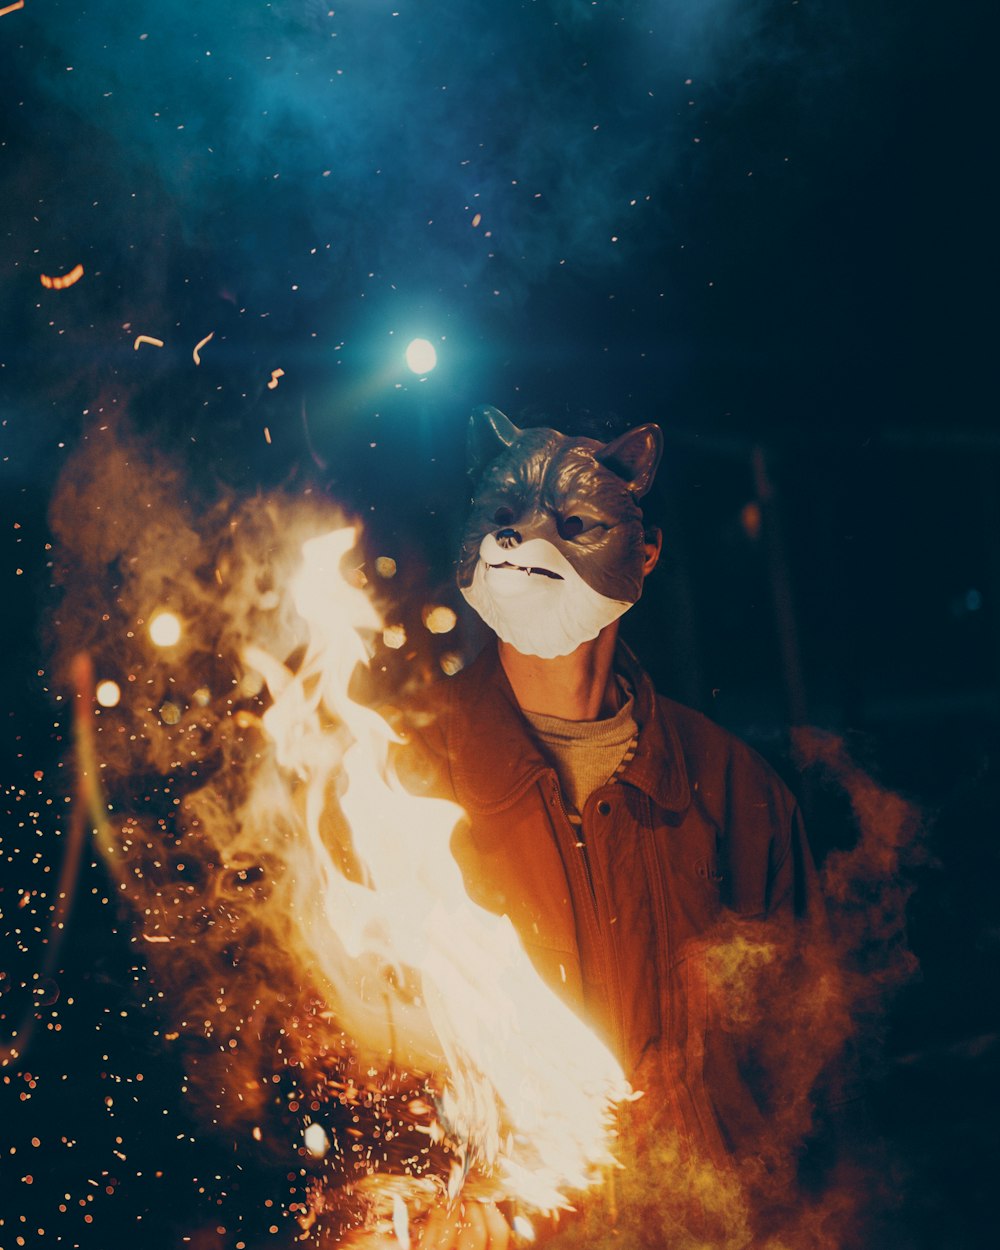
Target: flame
pixel 420 977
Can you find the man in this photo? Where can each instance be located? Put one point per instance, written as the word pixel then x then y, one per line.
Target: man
pixel 621 832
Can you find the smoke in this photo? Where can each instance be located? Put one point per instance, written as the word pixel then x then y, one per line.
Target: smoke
pixel 131 544
pixel 376 135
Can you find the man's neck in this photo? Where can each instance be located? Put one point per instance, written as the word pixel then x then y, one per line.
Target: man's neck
pixel 578 686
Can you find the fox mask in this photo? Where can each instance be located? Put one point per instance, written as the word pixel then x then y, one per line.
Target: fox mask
pixel 553 547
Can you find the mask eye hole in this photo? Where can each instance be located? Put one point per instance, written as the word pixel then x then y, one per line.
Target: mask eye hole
pixel 503 516
pixel 570 526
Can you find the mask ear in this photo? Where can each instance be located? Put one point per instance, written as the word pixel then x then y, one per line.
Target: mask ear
pixel 490 433
pixel 634 457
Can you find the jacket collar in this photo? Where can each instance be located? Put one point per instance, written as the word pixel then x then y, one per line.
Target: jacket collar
pixel 494 759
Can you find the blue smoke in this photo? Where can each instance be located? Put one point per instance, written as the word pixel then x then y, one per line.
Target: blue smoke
pixel 376 132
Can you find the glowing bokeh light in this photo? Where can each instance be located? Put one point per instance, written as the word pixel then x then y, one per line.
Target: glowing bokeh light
pixel 165 629
pixel 170 713
pixel 452 663
pixel 108 693
pixel 439 619
pixel 421 356
pixel 394 637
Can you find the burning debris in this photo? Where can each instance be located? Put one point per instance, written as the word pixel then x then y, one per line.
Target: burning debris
pixel 59 282
pixel 146 338
pixel 196 352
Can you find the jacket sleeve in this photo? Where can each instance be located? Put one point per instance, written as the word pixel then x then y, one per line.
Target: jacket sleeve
pixel 793 888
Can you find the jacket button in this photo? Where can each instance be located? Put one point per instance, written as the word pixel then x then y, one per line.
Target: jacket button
pixel 604 807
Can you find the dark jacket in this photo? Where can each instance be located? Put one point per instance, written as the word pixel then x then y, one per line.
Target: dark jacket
pixel 696 835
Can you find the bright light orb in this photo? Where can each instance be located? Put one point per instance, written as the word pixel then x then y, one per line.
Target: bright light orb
pixel 108 693
pixel 421 356
pixel 165 629
pixel 317 1142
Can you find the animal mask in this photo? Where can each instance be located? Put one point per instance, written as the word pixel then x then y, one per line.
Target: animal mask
pixel 553 548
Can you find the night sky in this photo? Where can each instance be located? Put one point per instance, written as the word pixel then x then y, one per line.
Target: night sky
pixel 767 225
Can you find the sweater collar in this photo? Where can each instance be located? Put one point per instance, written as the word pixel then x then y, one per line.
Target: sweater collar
pixel 494 758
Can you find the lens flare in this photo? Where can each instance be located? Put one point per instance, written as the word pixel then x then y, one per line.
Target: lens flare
pixel 421 356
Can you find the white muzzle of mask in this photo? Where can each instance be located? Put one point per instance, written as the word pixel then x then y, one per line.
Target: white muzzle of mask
pixel 533 598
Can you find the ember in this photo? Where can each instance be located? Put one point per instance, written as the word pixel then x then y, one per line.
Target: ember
pixel 198 346
pixel 60 282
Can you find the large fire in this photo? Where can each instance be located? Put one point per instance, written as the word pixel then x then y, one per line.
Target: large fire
pixel 427 993
pixel 418 975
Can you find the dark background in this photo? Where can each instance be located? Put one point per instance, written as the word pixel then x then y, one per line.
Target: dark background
pixel 767 226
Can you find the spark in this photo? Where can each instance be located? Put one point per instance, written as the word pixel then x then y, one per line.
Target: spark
pixel 198 346
pixel 267 436
pixel 18 4
pixel 145 338
pixel 275 375
pixel 60 281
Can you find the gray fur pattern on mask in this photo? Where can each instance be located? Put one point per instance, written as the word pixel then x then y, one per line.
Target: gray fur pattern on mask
pixel 564 508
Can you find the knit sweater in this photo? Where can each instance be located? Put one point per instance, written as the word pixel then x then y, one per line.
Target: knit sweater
pixel 585 753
